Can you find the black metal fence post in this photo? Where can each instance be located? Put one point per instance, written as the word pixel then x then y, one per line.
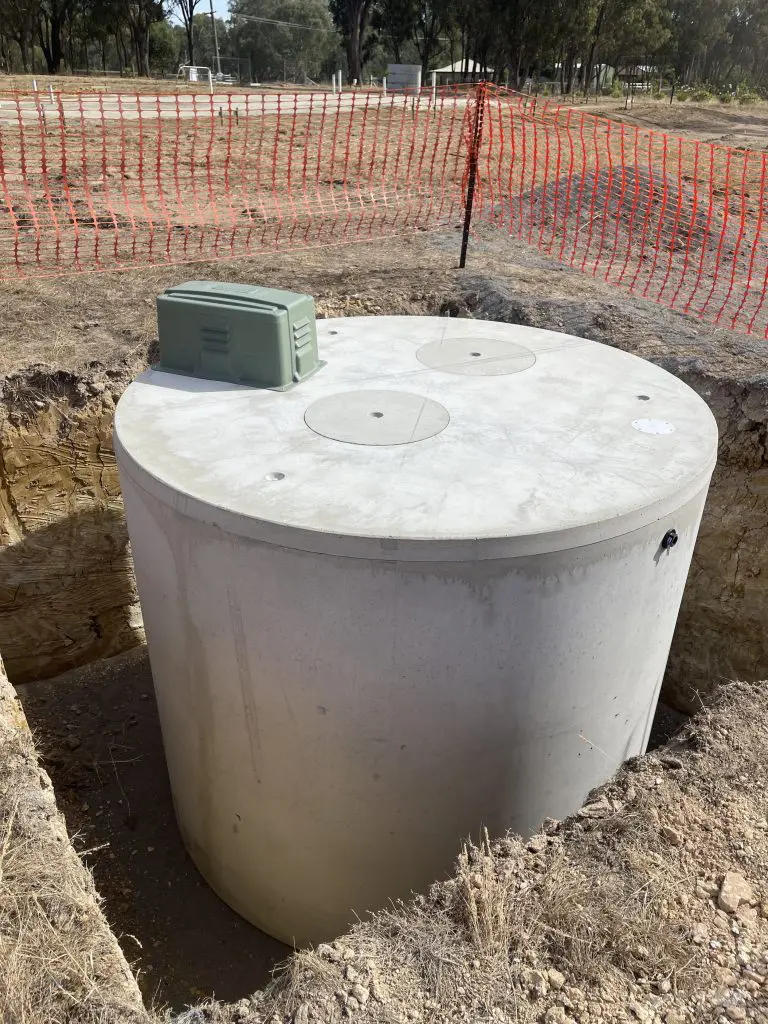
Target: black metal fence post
pixel 474 160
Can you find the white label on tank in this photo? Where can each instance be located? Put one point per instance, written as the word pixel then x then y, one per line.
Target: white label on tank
pixel 654 426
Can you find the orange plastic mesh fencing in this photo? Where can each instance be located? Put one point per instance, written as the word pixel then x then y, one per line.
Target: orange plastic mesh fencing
pixel 674 220
pixel 108 181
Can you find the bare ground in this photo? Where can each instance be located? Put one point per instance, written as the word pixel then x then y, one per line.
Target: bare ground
pixel 105 318
pixel 84 324
pixel 726 123
pixel 115 83
pixel 649 905
pixel 58 959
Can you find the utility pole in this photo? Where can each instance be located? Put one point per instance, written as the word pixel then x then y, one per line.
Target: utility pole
pixel 215 41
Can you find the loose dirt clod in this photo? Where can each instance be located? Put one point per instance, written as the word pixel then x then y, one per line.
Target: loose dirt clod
pixel 734 891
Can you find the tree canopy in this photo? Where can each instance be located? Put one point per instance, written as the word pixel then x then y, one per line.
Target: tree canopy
pixel 718 42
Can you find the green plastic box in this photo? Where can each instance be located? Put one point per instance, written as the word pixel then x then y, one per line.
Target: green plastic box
pixel 239 333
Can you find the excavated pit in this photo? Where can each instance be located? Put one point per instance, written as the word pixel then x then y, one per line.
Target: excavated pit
pixel 67 593
pixel 68 601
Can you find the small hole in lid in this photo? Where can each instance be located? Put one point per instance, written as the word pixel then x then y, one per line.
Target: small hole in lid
pixel 377 415
pixel 272 477
pixel 644 398
pixel 475 355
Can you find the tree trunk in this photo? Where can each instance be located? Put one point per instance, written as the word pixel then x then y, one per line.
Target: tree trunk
pixel 141 43
pixel 121 61
pixel 519 69
pixel 354 46
pixel 356 19
pixel 50 43
pixel 570 75
pixel 429 43
pixel 190 41
pixel 71 45
pixel 602 10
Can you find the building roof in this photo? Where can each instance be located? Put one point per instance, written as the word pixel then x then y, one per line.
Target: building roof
pixel 459 67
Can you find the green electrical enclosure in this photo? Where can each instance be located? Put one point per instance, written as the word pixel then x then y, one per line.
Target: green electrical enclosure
pixel 239 333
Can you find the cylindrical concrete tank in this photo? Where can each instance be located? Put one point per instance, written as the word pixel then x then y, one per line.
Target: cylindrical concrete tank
pixel 431 588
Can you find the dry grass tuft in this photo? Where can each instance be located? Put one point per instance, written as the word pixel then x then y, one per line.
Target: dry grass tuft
pixel 304 975
pixel 593 924
pixel 306 971
pixel 422 937
pixel 588 920
pixel 485 898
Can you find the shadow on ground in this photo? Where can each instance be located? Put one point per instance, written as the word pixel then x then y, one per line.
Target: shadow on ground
pixel 99 738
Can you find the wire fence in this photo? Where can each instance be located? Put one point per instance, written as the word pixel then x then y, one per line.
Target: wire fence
pixel 95 181
pixel 674 220
pixel 109 181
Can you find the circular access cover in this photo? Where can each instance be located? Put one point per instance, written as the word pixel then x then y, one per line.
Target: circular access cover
pixel 377 417
pixel 476 357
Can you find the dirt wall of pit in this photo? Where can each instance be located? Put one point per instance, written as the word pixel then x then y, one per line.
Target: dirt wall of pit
pixel 67 593
pixel 722 631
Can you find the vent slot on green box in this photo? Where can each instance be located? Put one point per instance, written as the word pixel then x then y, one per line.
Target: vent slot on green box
pixel 241 334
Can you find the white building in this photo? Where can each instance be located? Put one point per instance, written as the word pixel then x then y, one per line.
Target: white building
pixel 462 69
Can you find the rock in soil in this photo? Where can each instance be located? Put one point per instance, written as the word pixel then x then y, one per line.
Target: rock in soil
pixel 734 891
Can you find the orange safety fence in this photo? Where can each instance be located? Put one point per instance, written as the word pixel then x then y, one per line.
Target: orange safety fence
pixel 104 181
pixel 110 181
pixel 678 221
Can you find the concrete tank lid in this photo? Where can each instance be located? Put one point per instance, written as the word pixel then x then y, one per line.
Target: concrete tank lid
pixel 426 438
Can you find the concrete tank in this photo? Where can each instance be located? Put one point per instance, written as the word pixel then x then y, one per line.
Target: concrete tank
pixel 429 589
